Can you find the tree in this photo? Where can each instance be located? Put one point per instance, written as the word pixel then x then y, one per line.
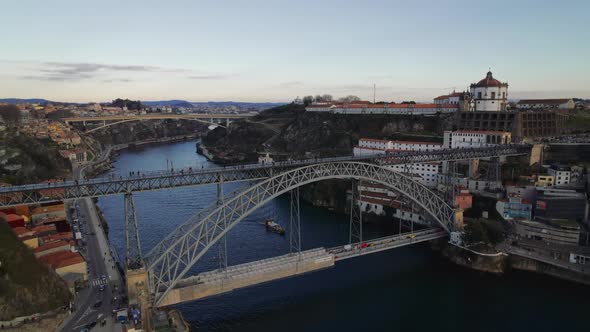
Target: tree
pixel 475 232
pixel 408 102
pixel 349 99
pixel 130 104
pixel 10 114
pixel 307 100
pixel 325 98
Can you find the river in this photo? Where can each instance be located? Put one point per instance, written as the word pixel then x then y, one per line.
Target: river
pixel 405 289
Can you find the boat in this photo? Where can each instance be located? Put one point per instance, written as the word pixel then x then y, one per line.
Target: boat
pixel 274 227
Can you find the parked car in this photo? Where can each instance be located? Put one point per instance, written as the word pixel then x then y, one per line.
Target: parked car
pixel 97 304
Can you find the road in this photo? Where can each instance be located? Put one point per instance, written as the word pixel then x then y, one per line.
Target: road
pixel 100 263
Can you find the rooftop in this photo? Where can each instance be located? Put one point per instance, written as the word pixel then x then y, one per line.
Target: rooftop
pixel 544 101
pixel 61 259
pixel 489 81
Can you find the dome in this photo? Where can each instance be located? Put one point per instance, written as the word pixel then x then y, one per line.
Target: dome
pixel 489 80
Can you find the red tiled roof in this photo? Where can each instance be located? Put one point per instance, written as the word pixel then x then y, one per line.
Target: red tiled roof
pixel 543 101
pixel 57 237
pixel 409 106
pixel 13 217
pixel 454 94
pixel 60 259
pixel 488 81
pixel 51 245
pixel 19 231
pixel 44 228
pixel 487 132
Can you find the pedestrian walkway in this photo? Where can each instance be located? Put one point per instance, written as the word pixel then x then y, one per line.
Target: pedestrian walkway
pixel 98 282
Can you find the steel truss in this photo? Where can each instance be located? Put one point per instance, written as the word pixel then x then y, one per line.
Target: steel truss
pixel 40 193
pixel 294 223
pixel 356 215
pixel 171 260
pixel 133 247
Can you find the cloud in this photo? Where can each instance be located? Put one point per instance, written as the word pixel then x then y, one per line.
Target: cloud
pixel 117 80
pixel 213 76
pixel 76 71
pixel 290 84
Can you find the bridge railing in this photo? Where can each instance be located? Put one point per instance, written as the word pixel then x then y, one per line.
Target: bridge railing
pixel 151 180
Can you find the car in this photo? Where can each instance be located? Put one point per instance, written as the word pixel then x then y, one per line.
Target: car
pixel 84 330
pixel 103 277
pixel 97 304
pixel 91 325
pixel 101 288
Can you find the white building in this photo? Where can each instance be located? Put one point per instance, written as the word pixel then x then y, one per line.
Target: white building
pixel 364 107
pixel 545 104
pixel 489 94
pixel 454 98
pixel 562 174
pixel 425 173
pixel 475 139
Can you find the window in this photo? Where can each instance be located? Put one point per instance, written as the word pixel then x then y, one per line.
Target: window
pixel 493 95
pixel 503 95
pixel 479 95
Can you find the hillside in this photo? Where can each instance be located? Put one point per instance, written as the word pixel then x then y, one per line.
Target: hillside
pixel 137 131
pixel 289 131
pixel 26 286
pixel 39 160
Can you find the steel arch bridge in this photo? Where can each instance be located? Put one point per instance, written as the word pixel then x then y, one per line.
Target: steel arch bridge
pixel 138 119
pixel 169 261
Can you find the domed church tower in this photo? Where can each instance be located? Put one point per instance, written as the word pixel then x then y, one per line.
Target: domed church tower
pixel 489 94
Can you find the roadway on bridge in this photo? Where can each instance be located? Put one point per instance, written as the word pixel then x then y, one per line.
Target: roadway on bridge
pixel 221 281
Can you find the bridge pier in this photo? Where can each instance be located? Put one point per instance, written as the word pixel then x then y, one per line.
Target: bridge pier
pixel 356 215
pixel 133 248
pixel 294 223
pixel 223 242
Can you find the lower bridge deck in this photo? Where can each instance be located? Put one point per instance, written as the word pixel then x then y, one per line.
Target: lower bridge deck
pixel 253 273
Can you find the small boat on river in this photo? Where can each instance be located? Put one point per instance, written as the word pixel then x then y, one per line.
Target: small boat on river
pixel 274 227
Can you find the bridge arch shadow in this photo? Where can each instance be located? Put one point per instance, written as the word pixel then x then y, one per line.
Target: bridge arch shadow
pixel 170 260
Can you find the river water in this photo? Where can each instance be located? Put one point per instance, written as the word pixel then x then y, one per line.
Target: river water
pixel 405 289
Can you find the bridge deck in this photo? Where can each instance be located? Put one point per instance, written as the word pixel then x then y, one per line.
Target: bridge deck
pixel 43 192
pixel 249 274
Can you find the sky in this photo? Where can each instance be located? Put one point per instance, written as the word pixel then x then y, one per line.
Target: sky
pixel 275 50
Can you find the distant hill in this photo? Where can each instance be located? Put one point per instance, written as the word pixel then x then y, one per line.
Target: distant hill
pixel 159 103
pixel 172 102
pixel 240 104
pixel 19 101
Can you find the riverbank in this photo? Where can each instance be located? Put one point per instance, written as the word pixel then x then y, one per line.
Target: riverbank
pixel 102 166
pixel 502 263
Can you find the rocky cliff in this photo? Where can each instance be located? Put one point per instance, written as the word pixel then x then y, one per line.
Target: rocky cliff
pixel 138 131
pixel 290 132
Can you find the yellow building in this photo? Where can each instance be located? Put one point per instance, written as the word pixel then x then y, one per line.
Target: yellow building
pixel 31 241
pixel 545 181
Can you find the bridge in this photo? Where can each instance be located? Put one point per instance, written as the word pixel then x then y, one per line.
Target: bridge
pixel 222 120
pixel 166 179
pixel 163 276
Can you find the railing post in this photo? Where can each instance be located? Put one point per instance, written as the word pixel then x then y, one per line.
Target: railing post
pixel 134 260
pixel 294 223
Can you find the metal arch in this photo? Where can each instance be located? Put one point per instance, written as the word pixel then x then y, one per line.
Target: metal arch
pixel 131 120
pixel 191 241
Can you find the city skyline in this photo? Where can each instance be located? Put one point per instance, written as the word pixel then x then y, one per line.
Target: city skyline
pixel 277 51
